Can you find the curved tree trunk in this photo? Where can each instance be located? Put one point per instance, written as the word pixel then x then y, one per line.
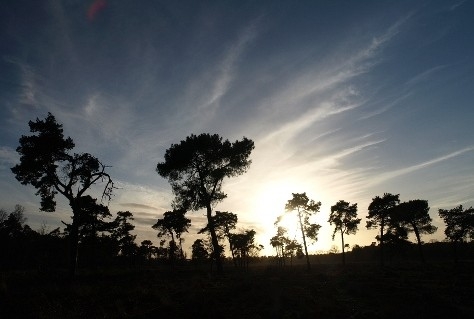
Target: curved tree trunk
pixel 214 240
pixel 231 248
pixel 173 247
pixel 343 253
pixel 418 239
pixel 74 239
pixel 382 225
pixel 308 265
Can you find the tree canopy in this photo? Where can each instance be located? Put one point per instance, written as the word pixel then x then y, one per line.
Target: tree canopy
pixel 379 215
pixel 414 215
pixel 196 168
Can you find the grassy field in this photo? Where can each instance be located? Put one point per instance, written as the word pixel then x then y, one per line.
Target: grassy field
pixel 328 291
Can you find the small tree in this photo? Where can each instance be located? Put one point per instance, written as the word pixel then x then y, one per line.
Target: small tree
pixel 379 215
pixel 196 168
pixel 279 242
pixel 173 224
pixel 121 233
pixel 243 244
pixel 459 225
pixel 46 163
pixel 146 249
pixel 292 249
pixel 199 251
pixel 344 217
pixel 12 225
pixel 305 208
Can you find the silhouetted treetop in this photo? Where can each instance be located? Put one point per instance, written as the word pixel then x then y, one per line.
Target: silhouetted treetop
pixel 47 164
pixel 196 167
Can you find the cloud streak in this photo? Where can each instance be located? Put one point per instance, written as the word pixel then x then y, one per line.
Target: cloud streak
pixel 403 171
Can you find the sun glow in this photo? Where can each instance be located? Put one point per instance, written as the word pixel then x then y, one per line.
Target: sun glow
pixel 269 204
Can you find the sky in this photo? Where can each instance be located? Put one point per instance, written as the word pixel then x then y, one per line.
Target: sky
pixel 345 100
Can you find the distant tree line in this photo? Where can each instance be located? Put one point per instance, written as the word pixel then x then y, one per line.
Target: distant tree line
pixel 394 220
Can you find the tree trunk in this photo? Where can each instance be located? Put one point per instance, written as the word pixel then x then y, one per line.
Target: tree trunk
pixel 214 240
pixel 343 253
pixel 308 265
pixel 231 248
pixel 172 249
pixel 181 248
pixel 418 239
pixel 382 225
pixel 74 241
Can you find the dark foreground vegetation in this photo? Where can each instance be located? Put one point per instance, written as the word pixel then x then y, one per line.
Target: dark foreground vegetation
pixel 358 290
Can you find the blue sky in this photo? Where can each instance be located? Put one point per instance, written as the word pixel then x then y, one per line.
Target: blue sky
pixel 343 99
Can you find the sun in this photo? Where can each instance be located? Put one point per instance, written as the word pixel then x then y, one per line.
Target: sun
pixel 269 201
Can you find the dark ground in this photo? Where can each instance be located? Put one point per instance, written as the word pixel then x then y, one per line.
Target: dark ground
pixel 442 290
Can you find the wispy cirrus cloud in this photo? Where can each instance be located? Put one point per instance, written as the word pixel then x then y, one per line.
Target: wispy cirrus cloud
pixel 224 73
pixel 137 205
pixel 206 90
pixel 425 75
pixel 406 170
pixel 386 106
pixel 307 91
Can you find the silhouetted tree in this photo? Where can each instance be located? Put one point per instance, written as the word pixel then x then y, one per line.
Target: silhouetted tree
pixel 46 163
pixel 173 224
pixel 243 244
pixel 12 225
pixel 92 224
pixel 199 251
pixel 459 225
pixel 12 238
pixel 414 214
pixel 344 217
pixel 3 215
pixel 292 249
pixel 379 215
pixel 147 249
pixel 196 168
pixel 224 222
pixel 161 252
pixel 279 242
pixel 120 232
pixel 20 246
pixel 91 219
pixel 305 208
